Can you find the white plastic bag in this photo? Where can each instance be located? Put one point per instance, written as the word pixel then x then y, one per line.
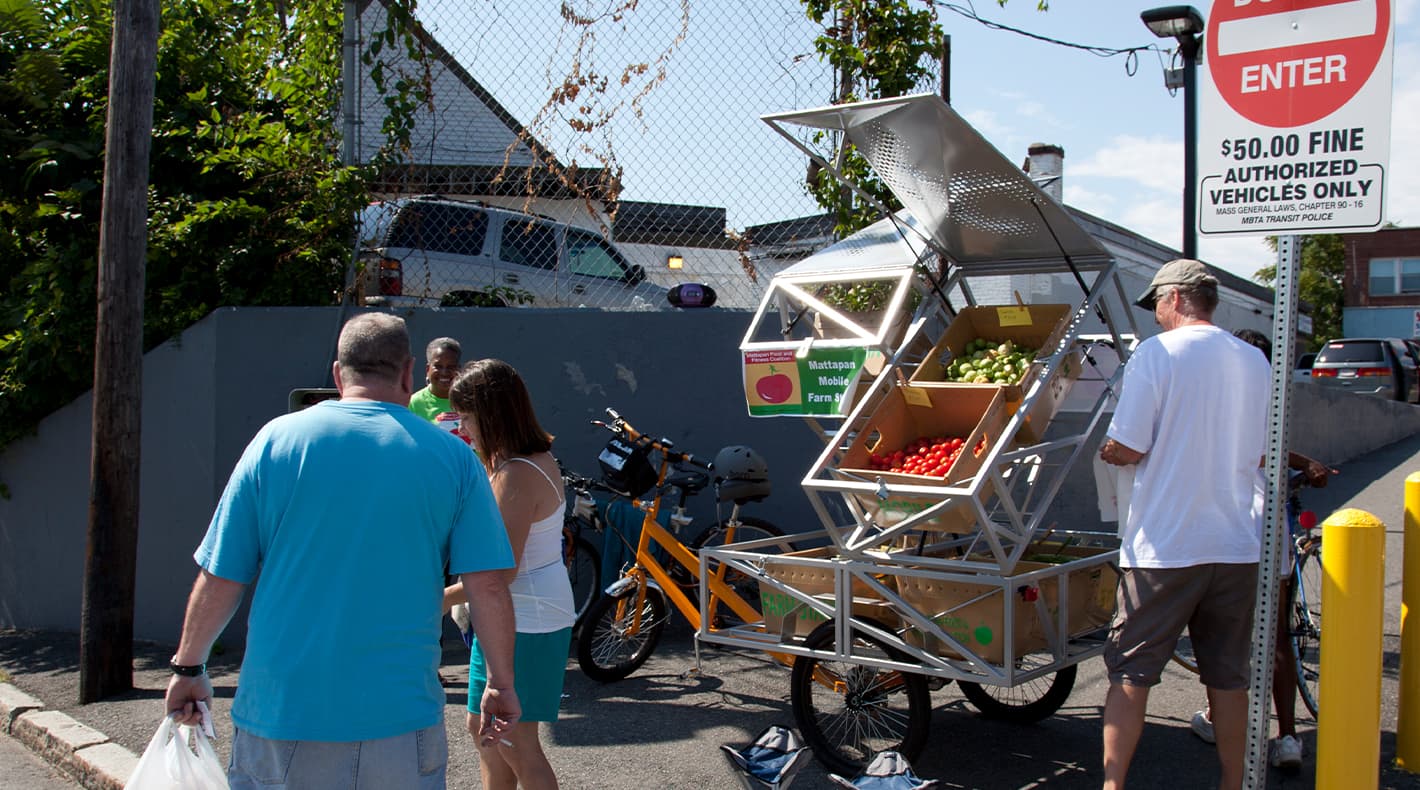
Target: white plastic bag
pixel 170 764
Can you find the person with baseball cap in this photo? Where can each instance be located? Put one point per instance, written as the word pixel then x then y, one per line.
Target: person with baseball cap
pixel 1192 414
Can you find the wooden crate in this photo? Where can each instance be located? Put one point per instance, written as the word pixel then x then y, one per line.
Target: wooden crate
pixel 1034 326
pixel 778 606
pixel 976 413
pixel 974 613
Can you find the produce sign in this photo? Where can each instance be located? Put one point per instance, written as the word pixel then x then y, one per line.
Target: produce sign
pixel 985 361
pixel 778 382
pixel 929 456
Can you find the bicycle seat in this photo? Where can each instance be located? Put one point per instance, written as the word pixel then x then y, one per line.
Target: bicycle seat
pixel 692 481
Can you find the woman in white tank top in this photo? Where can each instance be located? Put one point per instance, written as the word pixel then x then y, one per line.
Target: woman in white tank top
pixel 496 412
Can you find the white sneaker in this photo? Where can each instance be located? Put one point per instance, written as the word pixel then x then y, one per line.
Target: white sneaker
pixel 1202 727
pixel 1286 753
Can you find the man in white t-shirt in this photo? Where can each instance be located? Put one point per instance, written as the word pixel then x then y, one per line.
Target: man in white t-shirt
pixel 1192 415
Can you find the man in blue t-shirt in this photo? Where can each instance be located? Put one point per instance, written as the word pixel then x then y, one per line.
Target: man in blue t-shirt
pixel 339 682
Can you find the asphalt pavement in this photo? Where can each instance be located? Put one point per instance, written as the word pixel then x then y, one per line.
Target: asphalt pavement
pixel 661 728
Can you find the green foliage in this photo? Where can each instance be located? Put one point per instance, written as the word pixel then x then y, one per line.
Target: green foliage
pixel 248 202
pixel 1319 283
pixel 878 48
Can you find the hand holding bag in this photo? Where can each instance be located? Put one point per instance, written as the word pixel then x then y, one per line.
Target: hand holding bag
pixel 170 764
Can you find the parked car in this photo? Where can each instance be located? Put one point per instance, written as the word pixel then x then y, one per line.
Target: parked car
pixel 1384 366
pixel 1303 370
pixel 431 250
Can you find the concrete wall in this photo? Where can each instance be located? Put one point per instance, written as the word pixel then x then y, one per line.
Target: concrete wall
pixel 675 374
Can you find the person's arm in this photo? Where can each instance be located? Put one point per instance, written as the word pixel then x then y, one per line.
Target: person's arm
pixel 1317 472
pixel 490 608
pixel 209 608
pixel 1112 452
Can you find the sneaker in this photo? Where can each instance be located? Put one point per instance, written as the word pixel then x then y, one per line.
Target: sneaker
pixel 1202 726
pixel 1286 753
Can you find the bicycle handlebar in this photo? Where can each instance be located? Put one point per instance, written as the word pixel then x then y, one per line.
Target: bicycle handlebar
pixel 621 427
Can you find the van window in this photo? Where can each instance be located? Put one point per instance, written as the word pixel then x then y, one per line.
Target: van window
pixel 436 227
pixel 590 255
pixel 529 243
pixel 1352 351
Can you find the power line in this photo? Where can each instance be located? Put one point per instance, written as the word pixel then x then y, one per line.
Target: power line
pixel 1131 62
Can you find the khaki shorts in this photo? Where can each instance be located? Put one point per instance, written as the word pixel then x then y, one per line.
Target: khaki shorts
pixel 1152 607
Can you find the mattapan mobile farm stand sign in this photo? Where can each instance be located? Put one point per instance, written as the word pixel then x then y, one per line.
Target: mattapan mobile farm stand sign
pixel 1294 117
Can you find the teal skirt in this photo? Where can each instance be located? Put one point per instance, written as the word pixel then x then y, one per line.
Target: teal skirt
pixel 539 664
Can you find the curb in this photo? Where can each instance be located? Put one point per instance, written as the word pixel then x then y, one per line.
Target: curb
pixel 81 752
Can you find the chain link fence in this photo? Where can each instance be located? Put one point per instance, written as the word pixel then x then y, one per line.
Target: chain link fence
pixel 583 153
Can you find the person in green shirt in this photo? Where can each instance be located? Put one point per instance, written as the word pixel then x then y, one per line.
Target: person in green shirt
pixel 442 357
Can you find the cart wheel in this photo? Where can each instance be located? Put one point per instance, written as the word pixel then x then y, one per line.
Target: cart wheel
pixel 849 712
pixel 1023 703
pixel 605 651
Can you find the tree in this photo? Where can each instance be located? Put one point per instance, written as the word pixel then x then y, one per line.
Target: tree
pixel 878 49
pixel 248 202
pixel 1319 283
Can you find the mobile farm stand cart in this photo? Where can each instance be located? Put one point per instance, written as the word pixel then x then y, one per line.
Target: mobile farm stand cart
pixel 937 471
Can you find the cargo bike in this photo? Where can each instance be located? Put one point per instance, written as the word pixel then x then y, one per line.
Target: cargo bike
pixel 937 390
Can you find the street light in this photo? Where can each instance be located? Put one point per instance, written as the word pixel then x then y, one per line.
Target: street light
pixel 1185 24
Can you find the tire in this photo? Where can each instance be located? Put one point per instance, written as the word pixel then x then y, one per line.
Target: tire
pixel 1306 628
pixel 876 710
pixel 1183 654
pixel 1023 703
pixel 604 651
pixel 746 586
pixel 584 571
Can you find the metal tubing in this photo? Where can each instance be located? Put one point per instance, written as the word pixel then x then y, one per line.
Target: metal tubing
pixel 1353 602
pixel 1407 729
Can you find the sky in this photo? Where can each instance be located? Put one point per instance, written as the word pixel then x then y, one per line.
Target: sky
pixel 699 140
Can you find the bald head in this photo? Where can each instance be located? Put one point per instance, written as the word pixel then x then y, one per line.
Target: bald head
pixel 373 350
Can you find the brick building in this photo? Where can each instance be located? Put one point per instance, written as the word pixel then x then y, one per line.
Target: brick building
pixel 1382 283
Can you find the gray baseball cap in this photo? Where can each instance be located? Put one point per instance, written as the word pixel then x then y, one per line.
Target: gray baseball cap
pixel 1181 271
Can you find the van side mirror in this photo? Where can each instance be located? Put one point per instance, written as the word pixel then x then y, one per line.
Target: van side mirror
pixel 636 275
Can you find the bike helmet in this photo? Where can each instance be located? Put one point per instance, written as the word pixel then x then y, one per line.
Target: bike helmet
pixel 741 475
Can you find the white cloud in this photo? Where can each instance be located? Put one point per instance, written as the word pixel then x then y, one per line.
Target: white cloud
pixel 987 123
pixel 1154 162
pixel 1403 193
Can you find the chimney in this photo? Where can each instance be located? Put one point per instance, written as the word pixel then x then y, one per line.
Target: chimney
pixel 1046 167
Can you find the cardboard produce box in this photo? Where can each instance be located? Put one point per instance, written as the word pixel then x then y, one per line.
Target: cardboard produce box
pixel 974 613
pixel 977 414
pixel 1040 326
pixel 779 607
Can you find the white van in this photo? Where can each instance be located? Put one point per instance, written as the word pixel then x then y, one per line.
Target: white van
pixel 436 251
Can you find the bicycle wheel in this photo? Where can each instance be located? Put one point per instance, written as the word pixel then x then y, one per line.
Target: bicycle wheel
pixel 746 587
pixel 1183 654
pixel 584 570
pixel 849 712
pixel 1306 626
pixel 605 651
pixel 1023 703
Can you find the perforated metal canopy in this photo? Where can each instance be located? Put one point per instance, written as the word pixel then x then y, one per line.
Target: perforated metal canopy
pixel 981 210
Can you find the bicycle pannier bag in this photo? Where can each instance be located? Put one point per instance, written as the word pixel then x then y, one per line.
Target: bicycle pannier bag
pixel 626 467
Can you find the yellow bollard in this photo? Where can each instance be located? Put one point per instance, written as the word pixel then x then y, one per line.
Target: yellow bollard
pixel 1407 729
pixel 1348 739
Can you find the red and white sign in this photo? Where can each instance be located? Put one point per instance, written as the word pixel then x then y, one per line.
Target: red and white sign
pixel 1286 63
pixel 1294 116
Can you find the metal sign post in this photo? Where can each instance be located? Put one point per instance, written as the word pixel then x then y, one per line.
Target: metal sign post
pixel 1275 528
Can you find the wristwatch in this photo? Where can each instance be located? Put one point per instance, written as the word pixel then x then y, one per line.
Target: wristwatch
pixel 186 670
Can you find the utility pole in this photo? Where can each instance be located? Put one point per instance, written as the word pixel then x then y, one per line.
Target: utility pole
pixel 111 556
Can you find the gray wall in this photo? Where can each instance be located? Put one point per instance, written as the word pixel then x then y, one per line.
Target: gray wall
pixel 674 374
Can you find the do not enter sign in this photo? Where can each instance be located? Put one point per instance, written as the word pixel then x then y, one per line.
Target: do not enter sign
pixel 1287 63
pixel 1294 116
